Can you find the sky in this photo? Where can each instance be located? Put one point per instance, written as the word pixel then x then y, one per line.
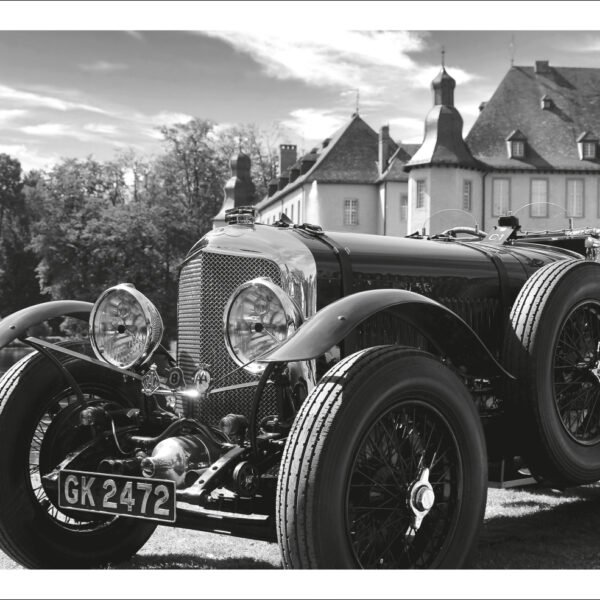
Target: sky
pixel 101 79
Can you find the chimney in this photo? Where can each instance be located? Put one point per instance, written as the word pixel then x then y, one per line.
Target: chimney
pixel 282 182
pixel 273 184
pixel 384 148
pixel 287 157
pixel 307 161
pixel 542 67
pixel 294 172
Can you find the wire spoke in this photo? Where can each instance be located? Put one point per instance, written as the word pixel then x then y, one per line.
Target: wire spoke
pixel 388 465
pixel 576 384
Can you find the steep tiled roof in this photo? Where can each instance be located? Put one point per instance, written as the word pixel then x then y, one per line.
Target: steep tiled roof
pixel 350 157
pixel 395 170
pixel 551 134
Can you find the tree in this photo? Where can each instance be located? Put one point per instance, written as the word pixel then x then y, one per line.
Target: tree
pixel 18 283
pixel 192 171
pixel 11 186
pixel 85 225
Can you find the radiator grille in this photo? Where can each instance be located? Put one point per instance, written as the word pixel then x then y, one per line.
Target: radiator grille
pixel 205 286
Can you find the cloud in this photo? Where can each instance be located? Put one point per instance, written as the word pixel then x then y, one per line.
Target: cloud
pixel 29 159
pixel 149 125
pixel 169 118
pixel 9 114
pixel 56 130
pixel 370 61
pixel 411 128
pixel 47 129
pixel 425 75
pixel 103 66
pixel 153 133
pixel 313 124
pixel 101 128
pixel 44 101
pixel 331 58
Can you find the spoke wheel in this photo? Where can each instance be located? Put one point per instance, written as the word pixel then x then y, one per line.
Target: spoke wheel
pixel 39 427
pixel 552 347
pixel 576 373
pixel 390 462
pixel 55 435
pixel 385 467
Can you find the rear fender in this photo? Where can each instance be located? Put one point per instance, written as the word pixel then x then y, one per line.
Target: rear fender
pixel 453 337
pixel 16 325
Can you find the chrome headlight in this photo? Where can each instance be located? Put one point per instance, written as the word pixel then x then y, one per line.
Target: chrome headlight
pixel 258 316
pixel 125 327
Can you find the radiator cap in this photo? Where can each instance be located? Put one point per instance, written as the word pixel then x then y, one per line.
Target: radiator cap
pixel 240 215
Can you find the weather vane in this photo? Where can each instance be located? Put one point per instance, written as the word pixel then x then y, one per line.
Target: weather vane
pixel 512 49
pixel 443 57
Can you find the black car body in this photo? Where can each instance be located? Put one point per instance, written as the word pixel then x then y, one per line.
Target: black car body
pixel 339 393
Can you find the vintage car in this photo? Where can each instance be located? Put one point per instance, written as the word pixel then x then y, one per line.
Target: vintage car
pixel 341 394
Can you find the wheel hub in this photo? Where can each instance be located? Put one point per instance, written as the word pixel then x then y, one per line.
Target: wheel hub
pixel 421 499
pixel 424 498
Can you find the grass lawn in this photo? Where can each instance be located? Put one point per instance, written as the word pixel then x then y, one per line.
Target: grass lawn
pixel 525 528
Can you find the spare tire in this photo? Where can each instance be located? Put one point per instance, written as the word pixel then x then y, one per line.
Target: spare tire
pixel 552 346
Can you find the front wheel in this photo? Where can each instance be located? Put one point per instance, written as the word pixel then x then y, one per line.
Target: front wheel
pixel 39 426
pixel 385 467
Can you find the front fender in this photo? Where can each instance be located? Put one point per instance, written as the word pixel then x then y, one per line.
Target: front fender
pixel 444 328
pixel 16 325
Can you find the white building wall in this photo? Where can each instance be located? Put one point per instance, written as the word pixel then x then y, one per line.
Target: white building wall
pixel 444 205
pixel 325 206
pixel 394 220
pixel 291 205
pixel 520 200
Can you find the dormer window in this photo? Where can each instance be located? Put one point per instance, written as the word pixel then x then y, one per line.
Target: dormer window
pixel 587 145
pixel 515 144
pixel 517 149
pixel 589 150
pixel 546 102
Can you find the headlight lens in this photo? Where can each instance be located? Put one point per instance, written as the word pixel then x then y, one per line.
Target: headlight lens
pixel 259 315
pixel 125 327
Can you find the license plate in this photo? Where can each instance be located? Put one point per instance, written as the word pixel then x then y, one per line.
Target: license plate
pixel 117 495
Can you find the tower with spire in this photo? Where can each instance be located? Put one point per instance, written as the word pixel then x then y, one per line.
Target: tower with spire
pixel 441 174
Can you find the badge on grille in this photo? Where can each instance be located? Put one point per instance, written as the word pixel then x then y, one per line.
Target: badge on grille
pixel 202 378
pixel 150 381
pixel 176 378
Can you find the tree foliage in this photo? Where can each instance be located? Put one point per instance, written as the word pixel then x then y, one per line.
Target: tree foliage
pixel 18 285
pixel 84 225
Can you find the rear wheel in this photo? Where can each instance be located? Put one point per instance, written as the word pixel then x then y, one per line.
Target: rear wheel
pixel 553 348
pixel 39 426
pixel 385 467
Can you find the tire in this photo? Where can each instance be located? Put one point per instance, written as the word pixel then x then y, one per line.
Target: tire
pixel 357 442
pixel 35 400
pixel 552 347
